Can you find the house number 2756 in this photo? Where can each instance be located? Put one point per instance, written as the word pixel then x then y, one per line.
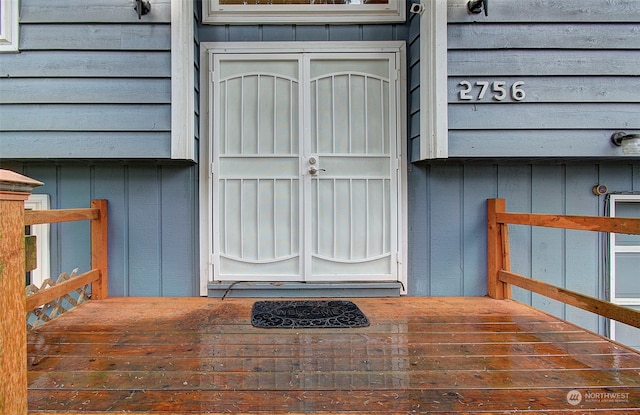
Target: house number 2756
pixel 499 90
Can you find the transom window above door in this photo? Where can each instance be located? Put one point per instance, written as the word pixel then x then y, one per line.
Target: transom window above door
pixel 303 11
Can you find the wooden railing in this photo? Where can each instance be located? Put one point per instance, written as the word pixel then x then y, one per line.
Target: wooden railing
pixel 98 275
pixel 14 190
pixel 500 277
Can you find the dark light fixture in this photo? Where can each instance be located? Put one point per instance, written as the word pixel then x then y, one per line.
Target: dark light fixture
pixel 630 143
pixel 478 6
pixel 142 7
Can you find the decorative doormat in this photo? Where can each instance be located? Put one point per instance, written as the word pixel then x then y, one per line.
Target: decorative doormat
pixel 307 314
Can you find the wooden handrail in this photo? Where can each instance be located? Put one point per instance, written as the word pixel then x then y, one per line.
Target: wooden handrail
pixel 500 278
pixel 580 223
pixel 45 296
pixel 35 217
pixel 98 275
pixel 595 305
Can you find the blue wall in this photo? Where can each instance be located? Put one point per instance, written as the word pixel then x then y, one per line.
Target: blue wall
pixel 153 222
pixel 90 81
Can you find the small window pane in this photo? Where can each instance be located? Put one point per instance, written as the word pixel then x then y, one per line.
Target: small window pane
pixel 627 210
pixel 627 335
pixel 627 277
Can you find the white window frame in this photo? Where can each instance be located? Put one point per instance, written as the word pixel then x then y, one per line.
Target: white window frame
pixel 613 250
pixel 215 13
pixel 206 168
pixel 434 125
pixel 182 81
pixel 41 232
pixel 9 20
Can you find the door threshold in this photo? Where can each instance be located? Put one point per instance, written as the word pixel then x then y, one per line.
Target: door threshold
pixel 246 289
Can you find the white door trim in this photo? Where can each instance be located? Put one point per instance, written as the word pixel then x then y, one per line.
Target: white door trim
pixel 209 49
pixel 41 232
pixel 182 81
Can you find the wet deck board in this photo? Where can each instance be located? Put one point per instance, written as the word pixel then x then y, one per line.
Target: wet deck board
pixel 197 355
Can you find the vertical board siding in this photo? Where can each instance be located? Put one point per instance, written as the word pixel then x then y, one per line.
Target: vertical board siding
pixel 419 236
pixel 179 227
pixel 90 67
pixel 144 212
pixel 447 237
pixel 514 184
pixel 74 189
pixel 111 183
pixel 581 275
pixel 478 180
pixel 299 33
pixel 447 253
pixel 152 222
pixel 548 193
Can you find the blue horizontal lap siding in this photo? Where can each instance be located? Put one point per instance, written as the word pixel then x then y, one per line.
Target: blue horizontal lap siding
pixel 90 11
pixel 589 11
pixel 579 63
pixel 102 37
pixel 85 90
pixel 86 117
pixel 86 64
pixel 75 144
pixel 90 81
pixel 543 62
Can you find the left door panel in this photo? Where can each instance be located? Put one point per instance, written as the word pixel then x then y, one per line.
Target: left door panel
pixel 256 171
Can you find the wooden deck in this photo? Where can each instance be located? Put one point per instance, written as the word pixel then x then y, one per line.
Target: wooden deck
pixel 420 355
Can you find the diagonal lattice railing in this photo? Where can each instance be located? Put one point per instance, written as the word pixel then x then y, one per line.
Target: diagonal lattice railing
pixel 59 305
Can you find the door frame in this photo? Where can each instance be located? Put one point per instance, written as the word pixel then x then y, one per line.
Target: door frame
pixel 209 49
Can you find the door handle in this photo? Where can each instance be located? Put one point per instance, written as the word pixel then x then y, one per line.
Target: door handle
pixel 313 170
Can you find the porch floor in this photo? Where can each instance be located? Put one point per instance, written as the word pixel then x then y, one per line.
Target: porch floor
pixel 420 355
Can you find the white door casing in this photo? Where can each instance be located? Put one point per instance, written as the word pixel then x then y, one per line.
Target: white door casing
pixel 305 153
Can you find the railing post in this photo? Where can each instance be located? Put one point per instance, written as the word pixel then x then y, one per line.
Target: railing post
pixel 14 190
pixel 99 250
pixel 497 250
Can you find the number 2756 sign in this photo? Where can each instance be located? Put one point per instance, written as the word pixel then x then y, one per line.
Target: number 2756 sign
pixel 497 90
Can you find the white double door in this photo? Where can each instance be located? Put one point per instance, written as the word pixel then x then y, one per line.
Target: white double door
pixel 305 173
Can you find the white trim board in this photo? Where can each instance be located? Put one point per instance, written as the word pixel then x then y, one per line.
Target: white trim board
pixel 215 13
pixel 434 127
pixel 41 232
pixel 9 25
pixel 182 81
pixel 614 249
